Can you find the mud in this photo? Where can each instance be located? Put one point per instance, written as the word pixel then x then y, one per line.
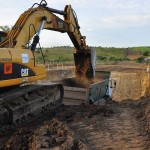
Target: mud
pixel 111 125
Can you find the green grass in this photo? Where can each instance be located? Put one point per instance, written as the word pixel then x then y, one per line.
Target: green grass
pixel 64 54
pixel 141 49
pixel 110 52
pixel 55 54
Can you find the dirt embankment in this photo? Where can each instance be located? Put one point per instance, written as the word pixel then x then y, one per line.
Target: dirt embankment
pixel 133 54
pixel 130 85
pixel 143 109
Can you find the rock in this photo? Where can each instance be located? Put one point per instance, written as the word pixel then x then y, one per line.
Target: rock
pixel 60 139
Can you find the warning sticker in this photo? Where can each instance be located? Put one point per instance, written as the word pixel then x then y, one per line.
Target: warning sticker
pixel 7 68
pixel 25 58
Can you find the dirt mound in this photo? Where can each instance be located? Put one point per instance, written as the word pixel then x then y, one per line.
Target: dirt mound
pixel 20 140
pixel 53 134
pixel 143 108
pixel 133 54
pixel 129 85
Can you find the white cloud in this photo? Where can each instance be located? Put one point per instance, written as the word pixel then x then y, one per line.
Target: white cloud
pixel 96 18
pixel 127 20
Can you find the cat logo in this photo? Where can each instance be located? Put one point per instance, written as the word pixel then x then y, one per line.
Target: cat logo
pixel 24 72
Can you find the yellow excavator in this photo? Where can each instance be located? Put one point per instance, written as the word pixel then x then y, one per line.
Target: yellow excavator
pixel 20 102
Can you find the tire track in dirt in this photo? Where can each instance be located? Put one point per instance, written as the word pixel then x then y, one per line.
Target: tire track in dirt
pixel 120 131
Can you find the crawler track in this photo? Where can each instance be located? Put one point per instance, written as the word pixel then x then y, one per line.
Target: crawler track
pixel 20 106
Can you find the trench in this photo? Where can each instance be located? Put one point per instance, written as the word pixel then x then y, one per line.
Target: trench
pixel 130 84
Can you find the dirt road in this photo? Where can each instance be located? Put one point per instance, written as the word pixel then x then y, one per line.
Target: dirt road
pixel 109 126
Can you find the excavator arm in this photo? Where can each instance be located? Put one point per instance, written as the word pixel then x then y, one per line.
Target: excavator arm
pixel 32 21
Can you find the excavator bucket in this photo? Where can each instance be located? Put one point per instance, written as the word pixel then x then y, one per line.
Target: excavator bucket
pixel 85 64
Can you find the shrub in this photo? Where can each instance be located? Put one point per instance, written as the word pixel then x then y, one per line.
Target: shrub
pixel 146 53
pixel 101 57
pixel 140 59
pixel 112 58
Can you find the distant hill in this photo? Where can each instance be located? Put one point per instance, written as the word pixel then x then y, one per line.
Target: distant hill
pixel 65 53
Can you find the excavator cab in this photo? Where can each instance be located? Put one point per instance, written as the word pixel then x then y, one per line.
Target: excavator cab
pixel 2 35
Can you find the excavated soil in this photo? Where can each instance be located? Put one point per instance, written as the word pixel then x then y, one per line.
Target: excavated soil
pixel 111 125
pixel 133 54
pixel 130 85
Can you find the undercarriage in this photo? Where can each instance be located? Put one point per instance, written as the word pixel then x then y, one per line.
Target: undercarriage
pixel 23 104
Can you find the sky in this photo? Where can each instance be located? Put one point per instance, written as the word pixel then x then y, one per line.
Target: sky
pixel 106 23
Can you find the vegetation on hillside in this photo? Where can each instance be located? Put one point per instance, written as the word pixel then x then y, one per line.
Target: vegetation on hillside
pixel 104 54
pixel 141 49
